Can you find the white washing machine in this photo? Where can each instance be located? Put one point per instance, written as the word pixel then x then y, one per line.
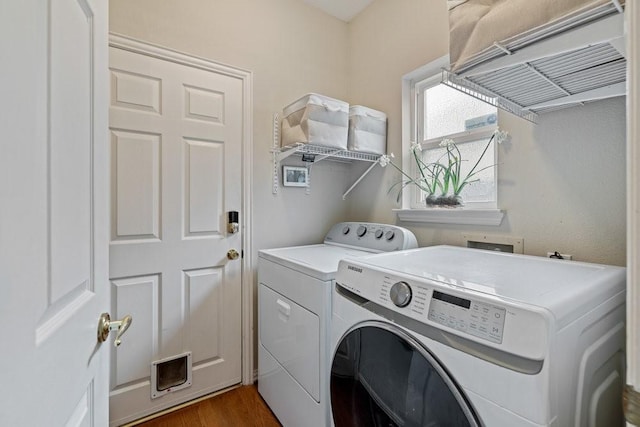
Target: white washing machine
pixel 294 312
pixel 448 336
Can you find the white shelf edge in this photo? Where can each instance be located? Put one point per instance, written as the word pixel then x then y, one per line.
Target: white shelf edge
pixel 459 216
pixel 324 152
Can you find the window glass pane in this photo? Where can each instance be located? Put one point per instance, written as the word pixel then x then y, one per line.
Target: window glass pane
pixel 481 187
pixel 446 110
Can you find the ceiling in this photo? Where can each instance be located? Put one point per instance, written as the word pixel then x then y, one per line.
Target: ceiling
pixel 341 9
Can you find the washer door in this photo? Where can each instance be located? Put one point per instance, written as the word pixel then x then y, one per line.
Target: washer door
pixel 381 376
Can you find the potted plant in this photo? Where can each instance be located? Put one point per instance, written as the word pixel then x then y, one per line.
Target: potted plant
pixel 442 180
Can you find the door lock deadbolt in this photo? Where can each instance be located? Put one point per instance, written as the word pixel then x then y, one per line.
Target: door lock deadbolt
pixel 233 225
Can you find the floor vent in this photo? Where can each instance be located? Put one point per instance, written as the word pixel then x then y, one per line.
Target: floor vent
pixel 170 374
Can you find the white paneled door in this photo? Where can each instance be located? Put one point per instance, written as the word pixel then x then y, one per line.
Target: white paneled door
pixel 176 173
pixel 53 212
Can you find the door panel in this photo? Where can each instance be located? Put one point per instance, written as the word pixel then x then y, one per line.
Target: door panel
pixel 130 362
pixel 70 148
pixel 53 221
pixel 204 187
pixel 135 92
pixel 136 185
pixel 204 104
pixel 176 136
pixel 203 289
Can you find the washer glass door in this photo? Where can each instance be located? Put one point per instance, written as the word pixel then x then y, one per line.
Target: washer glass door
pixel 381 376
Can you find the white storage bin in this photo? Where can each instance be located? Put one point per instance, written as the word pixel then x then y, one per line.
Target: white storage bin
pixel 316 119
pixel 367 130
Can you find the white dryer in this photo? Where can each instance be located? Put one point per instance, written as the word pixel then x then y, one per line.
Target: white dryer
pixel 447 336
pixel 294 311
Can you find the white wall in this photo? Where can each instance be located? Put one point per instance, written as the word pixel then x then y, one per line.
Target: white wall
pixel 561 182
pixel 292 49
pixel 386 41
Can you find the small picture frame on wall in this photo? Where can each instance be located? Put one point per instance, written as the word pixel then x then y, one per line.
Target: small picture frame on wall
pixel 293 176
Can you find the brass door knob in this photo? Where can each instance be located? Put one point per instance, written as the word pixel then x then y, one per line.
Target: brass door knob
pixel 233 254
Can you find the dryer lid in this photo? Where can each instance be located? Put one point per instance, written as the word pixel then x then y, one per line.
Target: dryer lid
pixel 319 261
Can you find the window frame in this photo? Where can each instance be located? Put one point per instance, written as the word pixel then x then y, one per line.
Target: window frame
pixel 478 213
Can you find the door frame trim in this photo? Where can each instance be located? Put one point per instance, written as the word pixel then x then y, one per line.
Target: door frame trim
pixel 632 25
pixel 246 77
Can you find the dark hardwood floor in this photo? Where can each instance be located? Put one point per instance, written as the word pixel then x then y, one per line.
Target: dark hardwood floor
pixel 239 407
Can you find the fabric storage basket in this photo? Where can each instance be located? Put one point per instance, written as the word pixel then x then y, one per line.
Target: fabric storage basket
pixel 316 119
pixel 367 130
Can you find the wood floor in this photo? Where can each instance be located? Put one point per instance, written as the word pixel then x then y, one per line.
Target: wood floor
pixel 239 407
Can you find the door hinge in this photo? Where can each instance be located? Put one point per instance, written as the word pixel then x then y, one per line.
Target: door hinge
pixel 631 405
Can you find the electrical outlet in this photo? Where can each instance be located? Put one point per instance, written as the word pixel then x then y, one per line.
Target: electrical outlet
pixel 564 256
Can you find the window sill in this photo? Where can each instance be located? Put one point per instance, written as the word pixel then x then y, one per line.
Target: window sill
pixel 459 216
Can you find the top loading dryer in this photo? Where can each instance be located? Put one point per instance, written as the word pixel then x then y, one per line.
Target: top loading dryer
pixel 456 336
pixel 294 311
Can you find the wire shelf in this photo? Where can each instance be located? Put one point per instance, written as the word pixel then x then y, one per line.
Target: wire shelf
pixel 486 95
pixel 551 67
pixel 325 152
pixel 317 153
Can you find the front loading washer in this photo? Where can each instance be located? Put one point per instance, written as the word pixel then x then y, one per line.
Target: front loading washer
pixel 294 311
pixel 448 336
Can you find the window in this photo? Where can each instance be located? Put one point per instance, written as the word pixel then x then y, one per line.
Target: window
pixel 443 112
pixel 433 112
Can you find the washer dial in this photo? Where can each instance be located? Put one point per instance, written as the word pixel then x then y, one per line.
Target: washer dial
pixel 362 230
pixel 400 294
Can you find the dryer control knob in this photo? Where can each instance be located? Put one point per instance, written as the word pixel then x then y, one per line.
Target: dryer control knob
pixel 379 234
pixel 346 229
pixel 362 230
pixel 400 294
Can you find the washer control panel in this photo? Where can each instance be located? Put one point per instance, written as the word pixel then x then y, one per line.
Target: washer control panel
pixel 372 236
pixel 480 319
pixel 476 318
pixel 441 302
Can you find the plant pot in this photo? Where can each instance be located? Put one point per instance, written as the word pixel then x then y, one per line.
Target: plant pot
pixel 449 201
